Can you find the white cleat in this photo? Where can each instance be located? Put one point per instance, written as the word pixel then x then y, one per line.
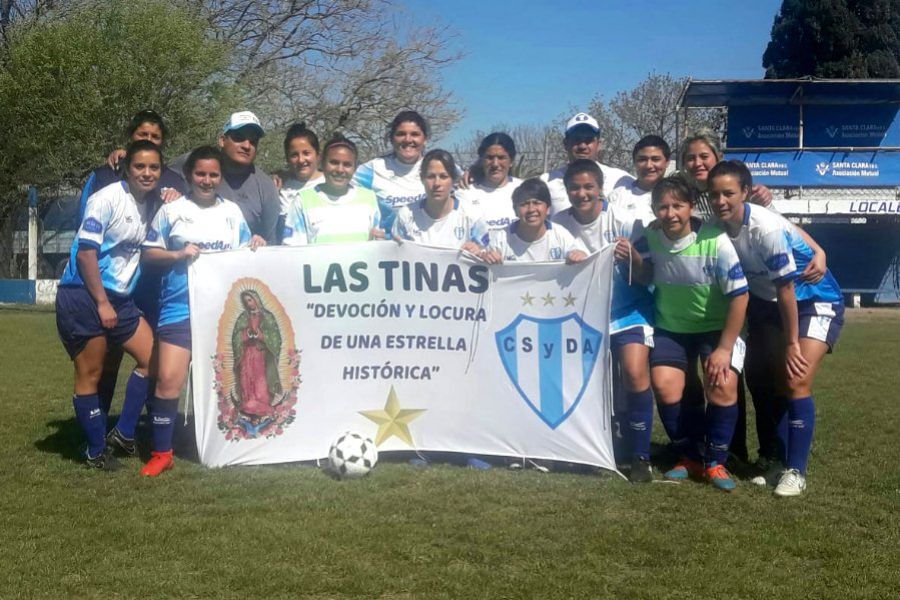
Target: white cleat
pixel 792 483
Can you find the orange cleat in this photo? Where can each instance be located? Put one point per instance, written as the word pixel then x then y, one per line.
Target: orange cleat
pixel 159 462
pixel 719 476
pixel 686 468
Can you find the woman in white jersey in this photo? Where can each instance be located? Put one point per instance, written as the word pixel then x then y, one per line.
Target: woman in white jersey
pixel 94 306
pixel 395 178
pixel 490 195
pixel 181 231
pixel 301 152
pixel 532 238
pixel 440 219
pixel 336 210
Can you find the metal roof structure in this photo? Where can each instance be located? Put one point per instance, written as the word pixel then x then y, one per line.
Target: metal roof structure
pixel 773 92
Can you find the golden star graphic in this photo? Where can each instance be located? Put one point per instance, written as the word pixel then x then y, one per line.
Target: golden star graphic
pixel 548 299
pixel 527 299
pixel 393 420
pixel 570 299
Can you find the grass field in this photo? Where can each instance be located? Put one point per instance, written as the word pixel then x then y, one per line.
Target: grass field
pixel 444 532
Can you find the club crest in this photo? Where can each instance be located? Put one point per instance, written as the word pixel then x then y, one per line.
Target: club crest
pixel 550 362
pixel 256 366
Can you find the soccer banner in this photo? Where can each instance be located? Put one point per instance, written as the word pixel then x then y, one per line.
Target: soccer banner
pixel 416 347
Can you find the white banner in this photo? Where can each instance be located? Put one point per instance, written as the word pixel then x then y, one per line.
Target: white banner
pixel 413 346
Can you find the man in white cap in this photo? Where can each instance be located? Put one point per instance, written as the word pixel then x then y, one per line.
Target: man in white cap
pixel 582 140
pixel 242 182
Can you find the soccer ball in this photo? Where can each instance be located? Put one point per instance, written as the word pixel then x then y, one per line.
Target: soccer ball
pixel 352 455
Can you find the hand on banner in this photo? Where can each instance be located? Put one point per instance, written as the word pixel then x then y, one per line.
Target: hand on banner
pixel 575 256
pixel 377 234
pixel 623 250
pixel 472 248
pixel 257 242
pixel 491 256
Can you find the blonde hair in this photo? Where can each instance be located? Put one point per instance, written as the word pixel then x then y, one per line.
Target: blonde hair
pixel 706 136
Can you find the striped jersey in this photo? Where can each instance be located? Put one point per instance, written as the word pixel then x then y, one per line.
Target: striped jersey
pixel 395 183
pixel 632 305
pixel 315 217
pixel 694 277
pixel 630 199
pixel 493 205
pixel 212 228
pixel 115 224
pixel 772 251
pixel 452 231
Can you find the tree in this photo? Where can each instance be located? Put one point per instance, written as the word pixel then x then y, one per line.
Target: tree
pixel 347 65
pixel 835 39
pixel 69 84
pixel 538 148
pixel 651 107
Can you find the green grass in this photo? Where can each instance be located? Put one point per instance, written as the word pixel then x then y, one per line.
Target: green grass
pixel 443 532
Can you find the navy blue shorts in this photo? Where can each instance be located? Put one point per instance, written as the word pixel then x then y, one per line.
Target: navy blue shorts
pixel 639 334
pixel 177 334
pixel 680 350
pixel 821 321
pixel 78 321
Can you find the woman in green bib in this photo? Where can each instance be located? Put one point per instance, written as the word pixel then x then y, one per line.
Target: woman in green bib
pixel 335 211
pixel 700 299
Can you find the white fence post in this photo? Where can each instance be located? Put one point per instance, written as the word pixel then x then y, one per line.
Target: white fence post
pixel 32 233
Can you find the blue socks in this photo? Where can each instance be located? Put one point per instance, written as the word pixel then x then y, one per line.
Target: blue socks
pixel 93 422
pixel 801 422
pixel 720 423
pixel 135 398
pixel 640 422
pixel 163 413
pixel 670 415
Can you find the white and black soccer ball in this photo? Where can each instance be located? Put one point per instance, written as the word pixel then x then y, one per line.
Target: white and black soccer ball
pixel 352 455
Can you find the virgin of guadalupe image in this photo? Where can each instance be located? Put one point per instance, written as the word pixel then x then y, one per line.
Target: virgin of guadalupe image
pixel 256 346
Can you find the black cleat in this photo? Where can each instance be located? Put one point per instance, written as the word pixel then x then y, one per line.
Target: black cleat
pixel 641 471
pixel 119 443
pixel 104 462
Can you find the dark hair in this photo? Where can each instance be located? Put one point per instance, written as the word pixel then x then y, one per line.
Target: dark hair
pixel 198 154
pixel 735 168
pixel 140 146
pixel 443 157
pixel 674 184
pixel 408 116
pixel 146 116
pixel 339 141
pixel 299 130
pixel 651 141
pixel 498 138
pixel 583 165
pixel 532 188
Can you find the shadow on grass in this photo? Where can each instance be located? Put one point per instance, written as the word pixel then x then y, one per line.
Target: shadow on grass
pixel 67 440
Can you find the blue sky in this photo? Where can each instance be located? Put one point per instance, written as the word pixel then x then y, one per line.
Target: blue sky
pixel 529 61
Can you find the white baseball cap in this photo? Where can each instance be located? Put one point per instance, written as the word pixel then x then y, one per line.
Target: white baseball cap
pixel 245 118
pixel 582 119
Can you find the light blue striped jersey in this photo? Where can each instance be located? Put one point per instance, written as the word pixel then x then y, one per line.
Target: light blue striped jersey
pixel 632 305
pixel 395 183
pixel 213 228
pixel 115 225
pixel 772 251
